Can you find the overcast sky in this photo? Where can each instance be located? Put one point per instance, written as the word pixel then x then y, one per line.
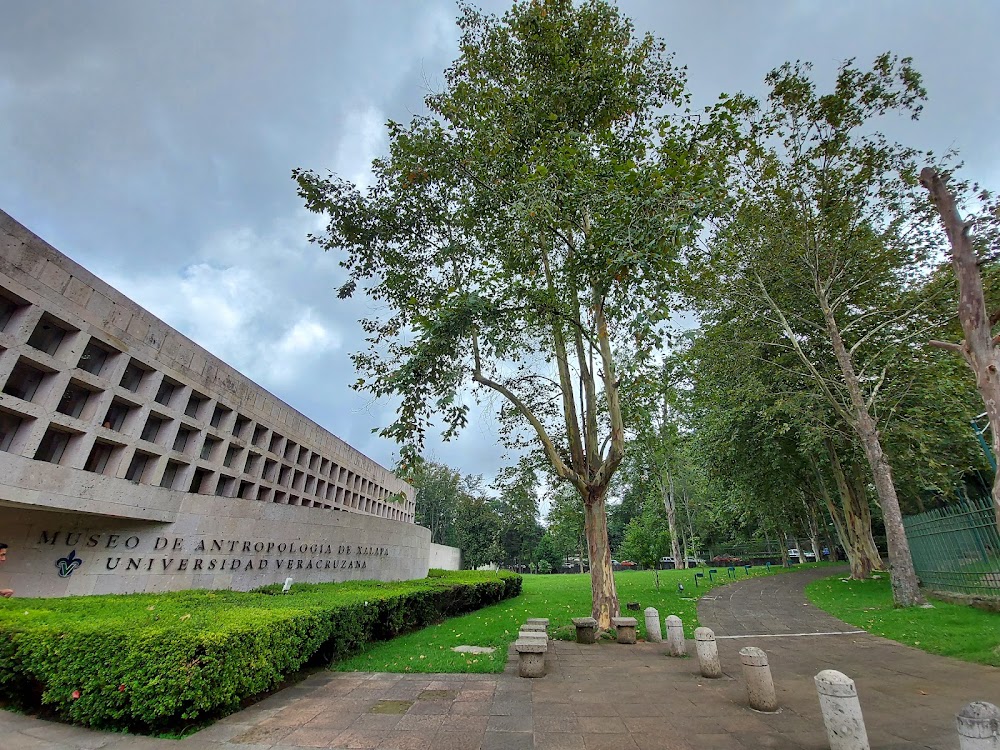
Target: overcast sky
pixel 153 142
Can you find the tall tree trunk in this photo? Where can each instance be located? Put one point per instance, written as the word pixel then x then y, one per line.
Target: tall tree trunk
pixel 979 347
pixel 602 578
pixel 670 506
pixel 855 528
pixel 905 590
pixel 813 529
pixel 798 548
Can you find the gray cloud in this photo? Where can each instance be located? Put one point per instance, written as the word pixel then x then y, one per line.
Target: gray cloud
pixel 153 142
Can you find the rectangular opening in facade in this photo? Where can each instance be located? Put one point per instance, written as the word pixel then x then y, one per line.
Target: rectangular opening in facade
pixel 208 447
pixel 303 457
pixel 314 462
pixel 231 452
pixel 293 499
pixel 153 427
pixel 220 413
pixel 276 443
pixel 298 481
pixel 49 334
pixel 140 467
pixel 24 381
pixel 172 474
pixel 331 491
pixel 225 486
pixel 198 480
pixel 310 484
pixel 10 427
pixel 264 494
pixel 281 497
pixel 240 426
pixel 291 451
pixel 259 433
pixel 103 458
pixel 75 400
pixel 321 489
pixel 95 356
pixel 194 404
pixel 270 469
pixel 183 438
pixel 166 392
pixel 284 475
pixel 324 467
pixel 133 375
pixel 53 445
pixel 252 464
pixel 10 304
pixel 246 490
pixel 117 414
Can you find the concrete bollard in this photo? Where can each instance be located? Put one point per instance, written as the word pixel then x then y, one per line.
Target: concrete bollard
pixel 653 634
pixel 838 700
pixel 675 637
pixel 708 652
pixel 979 727
pixel 757 675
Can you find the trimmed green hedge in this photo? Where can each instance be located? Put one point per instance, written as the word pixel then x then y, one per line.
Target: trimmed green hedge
pixel 159 662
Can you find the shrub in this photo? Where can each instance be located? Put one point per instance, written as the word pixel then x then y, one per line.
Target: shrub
pixel 156 663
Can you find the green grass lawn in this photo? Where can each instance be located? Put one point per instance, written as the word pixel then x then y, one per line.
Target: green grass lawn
pixel 952 630
pixel 558 597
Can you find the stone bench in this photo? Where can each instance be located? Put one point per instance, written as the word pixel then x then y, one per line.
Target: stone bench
pixel 542 621
pixel 531 656
pixel 534 627
pixel 586 629
pixel 625 627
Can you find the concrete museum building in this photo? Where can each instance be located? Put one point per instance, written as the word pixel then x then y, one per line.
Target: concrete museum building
pixel 131 459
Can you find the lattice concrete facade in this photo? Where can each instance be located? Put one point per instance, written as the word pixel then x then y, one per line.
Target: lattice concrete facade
pixel 108 413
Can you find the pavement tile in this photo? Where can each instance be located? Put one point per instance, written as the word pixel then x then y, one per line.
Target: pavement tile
pixel 508 741
pixel 609 742
pixel 415 740
pixel 262 735
pixel 469 708
pixel 556 724
pixel 359 739
pixel 459 723
pixel 558 741
pixel 509 724
pixel 660 741
pixel 306 737
pixel 458 740
pixel 420 722
pixel 601 725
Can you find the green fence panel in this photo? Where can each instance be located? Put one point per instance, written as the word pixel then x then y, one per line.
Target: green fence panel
pixel 957 548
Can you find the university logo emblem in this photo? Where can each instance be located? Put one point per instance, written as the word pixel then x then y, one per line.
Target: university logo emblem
pixel 68 564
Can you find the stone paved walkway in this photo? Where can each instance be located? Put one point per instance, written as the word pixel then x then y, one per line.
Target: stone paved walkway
pixel 602 696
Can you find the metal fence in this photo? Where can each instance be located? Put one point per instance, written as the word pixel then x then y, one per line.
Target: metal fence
pixel 957 548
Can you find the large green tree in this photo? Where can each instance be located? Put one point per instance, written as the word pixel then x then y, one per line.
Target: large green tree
pixel 829 228
pixel 521 239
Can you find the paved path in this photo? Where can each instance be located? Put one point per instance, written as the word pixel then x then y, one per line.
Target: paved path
pixel 602 696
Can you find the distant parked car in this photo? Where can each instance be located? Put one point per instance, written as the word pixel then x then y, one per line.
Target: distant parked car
pixel 795 553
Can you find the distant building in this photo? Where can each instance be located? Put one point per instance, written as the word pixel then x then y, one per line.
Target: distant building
pixel 131 459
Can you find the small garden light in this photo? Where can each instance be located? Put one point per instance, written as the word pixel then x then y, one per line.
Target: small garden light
pixel 287 587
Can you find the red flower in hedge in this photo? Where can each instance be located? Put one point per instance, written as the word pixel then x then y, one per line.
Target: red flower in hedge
pixel 121 688
pixel 76 694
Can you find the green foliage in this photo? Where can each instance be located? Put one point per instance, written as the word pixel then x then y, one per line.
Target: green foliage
pixel 148 662
pixel 547 554
pixel 647 537
pixel 954 630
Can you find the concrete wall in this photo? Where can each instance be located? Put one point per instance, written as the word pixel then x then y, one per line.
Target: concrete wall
pixel 112 421
pixel 445 558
